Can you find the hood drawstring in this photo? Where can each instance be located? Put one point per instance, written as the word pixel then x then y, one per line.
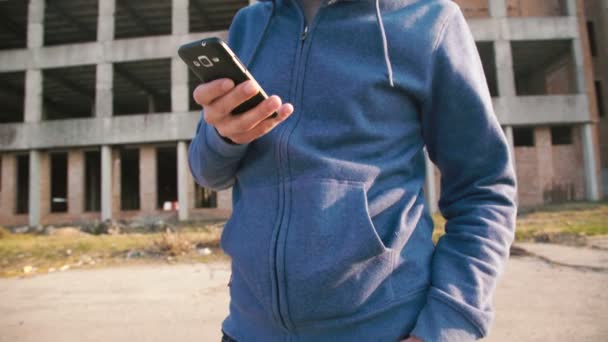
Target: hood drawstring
pixel 262 36
pixel 387 58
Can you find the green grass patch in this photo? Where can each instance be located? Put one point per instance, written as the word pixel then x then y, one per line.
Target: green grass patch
pixel 553 222
pixel 83 250
pixel 557 223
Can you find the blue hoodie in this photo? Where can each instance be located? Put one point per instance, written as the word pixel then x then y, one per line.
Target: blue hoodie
pixel 330 236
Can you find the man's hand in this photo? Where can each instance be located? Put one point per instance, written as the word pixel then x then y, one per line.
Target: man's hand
pixel 220 97
pixel 412 339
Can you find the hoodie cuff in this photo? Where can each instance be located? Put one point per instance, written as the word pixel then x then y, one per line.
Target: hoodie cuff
pixel 220 146
pixel 440 322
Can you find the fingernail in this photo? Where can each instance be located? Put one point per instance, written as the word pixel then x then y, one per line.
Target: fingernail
pixel 226 85
pixel 250 88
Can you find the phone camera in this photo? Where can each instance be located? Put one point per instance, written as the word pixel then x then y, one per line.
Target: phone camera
pixel 205 61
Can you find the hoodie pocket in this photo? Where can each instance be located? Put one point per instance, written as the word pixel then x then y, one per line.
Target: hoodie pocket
pixel 246 239
pixel 336 264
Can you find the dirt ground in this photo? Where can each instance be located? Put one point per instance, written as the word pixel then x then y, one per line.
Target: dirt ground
pixel 536 301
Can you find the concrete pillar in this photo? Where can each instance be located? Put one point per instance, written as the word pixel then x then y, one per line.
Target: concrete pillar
pixel 34 189
pixel 45 185
pixel 431 188
pixel 181 17
pixel 35 24
pixel 182 180
pixel 103 90
pixel 509 134
pixel 571 8
pixel 75 182
pixel 591 181
pixel 504 68
pixel 33 78
pixel 106 182
pixel 579 66
pixel 180 89
pixel 104 72
pixel 116 185
pixel 147 178
pixel 33 96
pixel 151 104
pixel 224 199
pixel 105 20
pixel 498 8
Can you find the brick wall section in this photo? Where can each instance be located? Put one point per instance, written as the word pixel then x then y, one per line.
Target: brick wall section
pixel 45 185
pixel 560 76
pixel 9 191
pixel 7 196
pixel 147 178
pixel 535 8
pixel 568 179
pixel 116 200
pixel 529 193
pixel 76 182
pixel 548 173
pixel 474 8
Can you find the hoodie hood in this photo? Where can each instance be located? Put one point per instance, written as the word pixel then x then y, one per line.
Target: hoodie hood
pixel 379 21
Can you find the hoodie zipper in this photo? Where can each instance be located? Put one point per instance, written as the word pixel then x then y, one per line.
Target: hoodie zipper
pixel 296 95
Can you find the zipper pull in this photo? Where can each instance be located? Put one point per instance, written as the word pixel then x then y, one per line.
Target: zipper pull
pixel 304 34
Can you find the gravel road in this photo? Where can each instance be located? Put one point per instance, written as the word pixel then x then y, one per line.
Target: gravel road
pixel 536 301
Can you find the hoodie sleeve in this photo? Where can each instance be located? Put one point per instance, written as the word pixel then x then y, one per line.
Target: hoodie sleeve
pixel 478 190
pixel 213 160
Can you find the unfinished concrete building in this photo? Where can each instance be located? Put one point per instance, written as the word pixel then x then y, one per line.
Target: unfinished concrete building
pixel 96 111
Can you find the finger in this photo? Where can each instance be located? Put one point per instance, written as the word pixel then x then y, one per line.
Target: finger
pixel 208 92
pixel 265 126
pixel 246 121
pixel 235 97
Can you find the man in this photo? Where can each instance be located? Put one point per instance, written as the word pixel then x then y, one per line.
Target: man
pixel 330 237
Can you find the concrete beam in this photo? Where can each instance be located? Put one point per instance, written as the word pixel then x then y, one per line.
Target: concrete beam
pixel 129 129
pixel 122 50
pixel 540 28
pixel 542 110
pixel 134 49
pixel 523 28
pixel 485 29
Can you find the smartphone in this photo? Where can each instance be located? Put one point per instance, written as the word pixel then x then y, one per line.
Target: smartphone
pixel 211 59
